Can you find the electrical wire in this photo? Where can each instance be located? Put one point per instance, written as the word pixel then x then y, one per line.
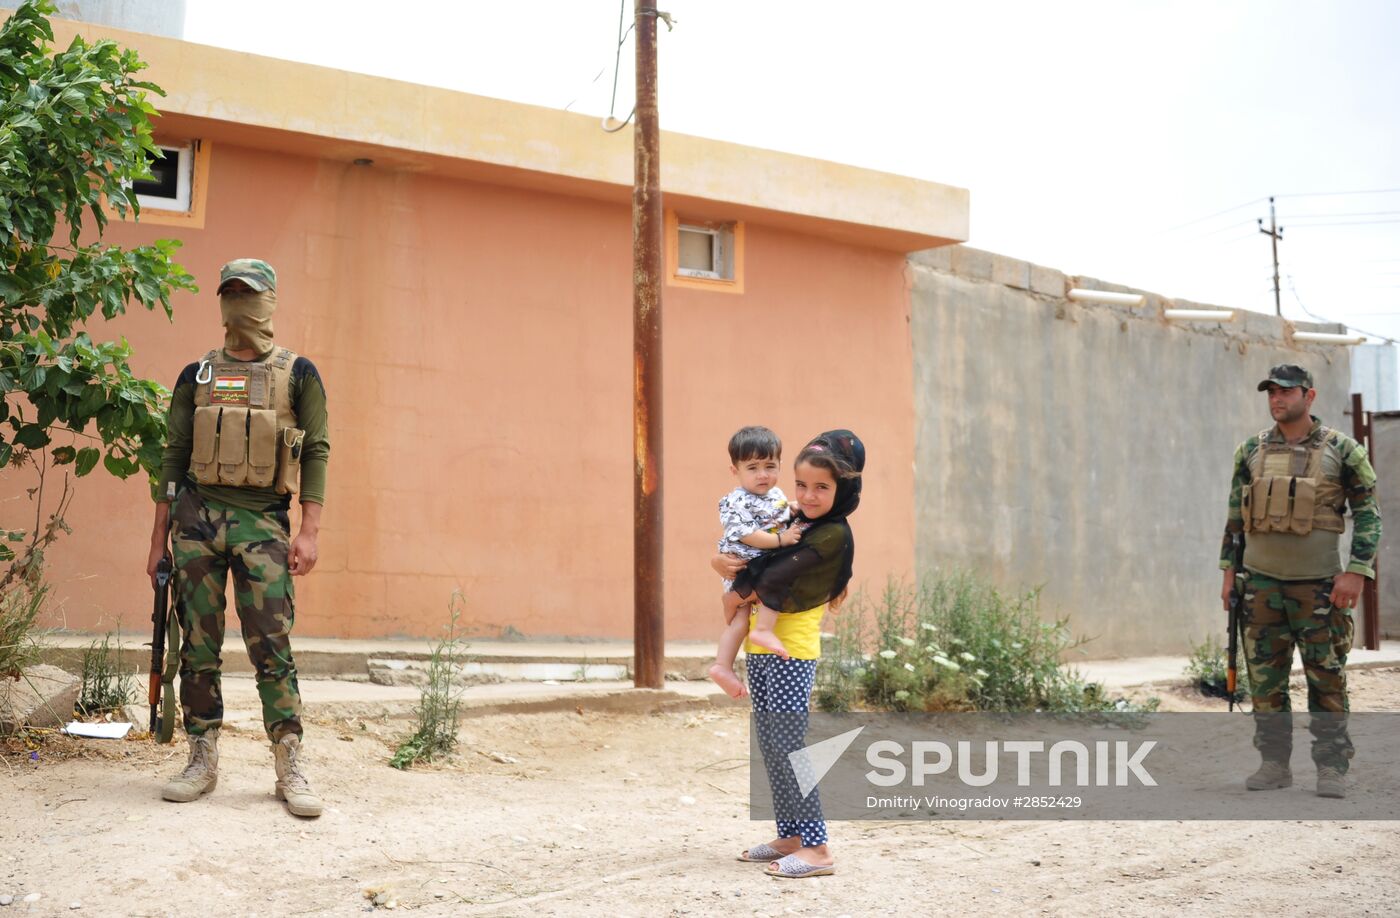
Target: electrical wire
pixel 1363 213
pixel 1343 223
pixel 1334 194
pixel 1299 194
pixel 617 67
pixel 1172 229
pixel 1299 300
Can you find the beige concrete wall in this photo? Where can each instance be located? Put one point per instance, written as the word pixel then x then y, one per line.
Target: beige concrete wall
pixel 1385 432
pixel 1086 449
pixel 475 341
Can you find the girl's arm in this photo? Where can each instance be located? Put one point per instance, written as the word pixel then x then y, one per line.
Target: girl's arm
pixel 728 566
pixel 773 577
pixel 767 540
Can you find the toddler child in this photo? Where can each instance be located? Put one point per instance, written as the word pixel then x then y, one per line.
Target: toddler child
pixel 755 518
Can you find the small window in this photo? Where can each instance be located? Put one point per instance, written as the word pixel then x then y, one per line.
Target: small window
pixel 704 254
pixel 705 251
pixel 171 181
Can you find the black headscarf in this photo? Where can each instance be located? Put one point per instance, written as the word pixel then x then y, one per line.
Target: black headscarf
pixel 817 569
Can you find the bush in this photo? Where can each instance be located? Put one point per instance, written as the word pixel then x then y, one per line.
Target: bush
pixel 75 132
pixel 19 607
pixel 436 733
pixel 1206 669
pixel 954 644
pixel 106 685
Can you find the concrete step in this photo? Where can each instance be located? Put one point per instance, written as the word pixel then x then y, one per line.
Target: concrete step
pixel 1127 673
pixel 343 701
pixel 384 660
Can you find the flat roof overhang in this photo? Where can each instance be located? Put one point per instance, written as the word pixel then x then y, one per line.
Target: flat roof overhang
pixel 266 103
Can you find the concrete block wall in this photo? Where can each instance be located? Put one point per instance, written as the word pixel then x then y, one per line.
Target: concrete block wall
pixel 1385 432
pixel 1087 449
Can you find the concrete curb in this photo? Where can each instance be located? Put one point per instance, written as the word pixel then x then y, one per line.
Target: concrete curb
pixel 336 700
pixel 333 657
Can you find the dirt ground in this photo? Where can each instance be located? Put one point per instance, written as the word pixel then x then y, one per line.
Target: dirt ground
pixel 616 815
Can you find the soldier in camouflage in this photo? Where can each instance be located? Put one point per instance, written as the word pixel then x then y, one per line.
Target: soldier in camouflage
pixel 1292 485
pixel 247 428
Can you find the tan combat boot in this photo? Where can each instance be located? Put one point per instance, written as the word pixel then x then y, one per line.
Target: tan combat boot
pixel 1329 782
pixel 202 772
pixel 291 783
pixel 1270 776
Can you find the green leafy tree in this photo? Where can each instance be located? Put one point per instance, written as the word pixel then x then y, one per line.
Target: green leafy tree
pixel 75 132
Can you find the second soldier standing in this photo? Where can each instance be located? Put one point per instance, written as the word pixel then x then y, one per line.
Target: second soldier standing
pixel 1292 485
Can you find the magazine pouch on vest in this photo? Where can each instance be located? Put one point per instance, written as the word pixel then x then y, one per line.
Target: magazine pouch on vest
pixel 206 440
pixel 262 447
pixel 1289 492
pixel 289 442
pixel 245 431
pixel 233 446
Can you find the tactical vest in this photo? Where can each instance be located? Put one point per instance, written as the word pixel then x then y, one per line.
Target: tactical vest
pixel 1291 491
pixel 245 429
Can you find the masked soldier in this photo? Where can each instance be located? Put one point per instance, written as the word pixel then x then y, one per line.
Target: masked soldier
pixel 247 429
pixel 1292 485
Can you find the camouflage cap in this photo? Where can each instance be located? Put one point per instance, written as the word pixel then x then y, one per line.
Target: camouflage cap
pixel 252 271
pixel 1287 375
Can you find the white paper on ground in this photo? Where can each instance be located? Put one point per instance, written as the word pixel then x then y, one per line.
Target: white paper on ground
pixel 98 731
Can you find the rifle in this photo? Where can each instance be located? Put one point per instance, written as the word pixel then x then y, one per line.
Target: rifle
pixel 164 639
pixel 1236 607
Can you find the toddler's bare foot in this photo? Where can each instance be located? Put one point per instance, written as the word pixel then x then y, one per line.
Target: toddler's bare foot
pixel 768 641
pixel 726 679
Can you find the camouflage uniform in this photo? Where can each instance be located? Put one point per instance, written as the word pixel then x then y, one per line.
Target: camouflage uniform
pixel 1281 611
pixel 210 540
pixel 216 530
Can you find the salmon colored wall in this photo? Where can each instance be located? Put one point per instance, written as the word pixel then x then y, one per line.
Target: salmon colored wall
pixel 475 341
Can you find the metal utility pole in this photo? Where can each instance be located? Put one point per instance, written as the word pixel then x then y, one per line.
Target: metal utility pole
pixel 648 612
pixel 1274 232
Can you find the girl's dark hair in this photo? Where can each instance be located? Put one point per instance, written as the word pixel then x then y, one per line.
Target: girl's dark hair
pixel 817 455
pixel 754 443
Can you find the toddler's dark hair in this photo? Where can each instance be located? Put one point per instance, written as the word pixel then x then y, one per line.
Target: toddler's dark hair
pixel 754 443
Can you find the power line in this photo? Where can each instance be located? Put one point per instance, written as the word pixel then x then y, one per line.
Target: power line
pixel 596 76
pixel 1334 194
pixel 1299 194
pixel 1222 213
pixel 1228 226
pixel 1363 213
pixel 617 66
pixel 1346 223
pixel 1294 287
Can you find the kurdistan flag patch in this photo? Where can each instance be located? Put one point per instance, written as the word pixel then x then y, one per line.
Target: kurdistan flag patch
pixel 230 390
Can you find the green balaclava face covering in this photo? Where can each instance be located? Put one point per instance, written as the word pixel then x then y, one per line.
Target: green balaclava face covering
pixel 248 320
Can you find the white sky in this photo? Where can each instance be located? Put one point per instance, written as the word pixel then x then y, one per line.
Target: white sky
pixel 1094 134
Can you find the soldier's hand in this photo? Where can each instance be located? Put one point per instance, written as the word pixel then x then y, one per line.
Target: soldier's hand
pixel 1345 590
pixel 1227 588
pixel 157 552
pixel 303 555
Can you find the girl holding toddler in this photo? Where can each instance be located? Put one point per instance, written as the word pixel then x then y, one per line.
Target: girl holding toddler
pixel 795 584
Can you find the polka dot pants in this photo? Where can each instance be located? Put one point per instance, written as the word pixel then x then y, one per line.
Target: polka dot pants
pixel 785 687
